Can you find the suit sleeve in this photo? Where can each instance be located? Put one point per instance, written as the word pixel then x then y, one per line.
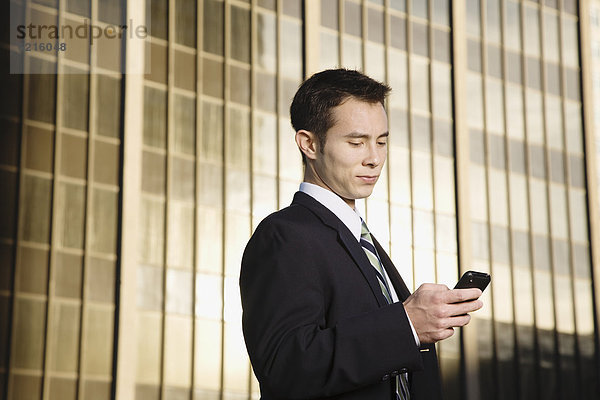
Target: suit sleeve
pixel 292 350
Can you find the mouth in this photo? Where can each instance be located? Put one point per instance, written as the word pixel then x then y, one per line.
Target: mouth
pixel 371 179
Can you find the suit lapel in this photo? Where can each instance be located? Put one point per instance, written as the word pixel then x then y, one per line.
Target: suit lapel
pixel 347 239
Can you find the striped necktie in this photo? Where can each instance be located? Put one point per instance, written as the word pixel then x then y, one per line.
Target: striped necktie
pixel 366 241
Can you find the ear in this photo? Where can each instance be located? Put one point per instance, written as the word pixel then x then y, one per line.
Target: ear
pixel 307 143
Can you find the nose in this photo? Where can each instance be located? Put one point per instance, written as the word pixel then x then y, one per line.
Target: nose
pixel 373 157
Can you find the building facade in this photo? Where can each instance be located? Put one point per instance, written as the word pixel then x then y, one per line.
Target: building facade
pixel 129 197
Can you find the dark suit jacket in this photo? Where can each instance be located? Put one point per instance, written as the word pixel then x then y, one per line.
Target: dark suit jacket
pixel 315 321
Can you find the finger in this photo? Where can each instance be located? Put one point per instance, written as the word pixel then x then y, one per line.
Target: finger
pixel 464 307
pixel 459 320
pixel 460 295
pixel 446 333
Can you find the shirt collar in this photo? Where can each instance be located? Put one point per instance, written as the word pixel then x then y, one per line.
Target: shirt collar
pixel 334 203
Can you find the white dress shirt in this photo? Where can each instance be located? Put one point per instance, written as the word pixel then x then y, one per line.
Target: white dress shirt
pixel 353 221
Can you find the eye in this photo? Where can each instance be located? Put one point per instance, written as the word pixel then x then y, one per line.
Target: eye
pixel 383 143
pixel 356 144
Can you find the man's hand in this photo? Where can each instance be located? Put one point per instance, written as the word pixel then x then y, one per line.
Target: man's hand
pixel 435 310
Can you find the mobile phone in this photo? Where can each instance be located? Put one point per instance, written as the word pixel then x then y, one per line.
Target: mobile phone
pixel 473 279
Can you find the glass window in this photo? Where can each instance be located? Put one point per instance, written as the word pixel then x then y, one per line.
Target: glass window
pixel 79 7
pixel 100 280
pixel 474 55
pixel 375 26
pixel 423 229
pixel 441 12
pixel 445 233
pixel 573 128
pixel 68 270
pixel 500 248
pixel 238 139
pixel 42 90
pixel 75 98
pixel 149 350
pixel 149 287
pixel 513 25
pixel 156 56
pixel 352 52
pixel 185 28
pixel 74 156
pixel 290 51
pixel 532 31
pixel 110 11
pixel 478 195
pixel 264 146
pixel 421 133
pixel 577 171
pixel 570 41
pixel 441 43
pixel 108 106
pixel 33 271
pixel 480 241
pixel 39 149
pixel 210 232
pixel 422 181
pixel 493 21
pixel 419 84
pixel 213 26
pixel 157 9
pixel 517 156
pixel 184 140
pixel 375 61
pixel 474 101
pixel 240 85
pixel 558 211
pixel 572 79
pixel 185 70
pixel 498 197
pixel 581 260
pixel 578 215
pixel 103 222
pixel 211 184
pixel 561 256
pixel 519 215
pixel 419 8
pixel 534 73
pixel 557 166
pixel 293 8
pixel 266 48
pixel 442 90
pixel 28 344
pixel 538 206
pixel 212 132
pixel 541 252
pixel 98 341
pixel 494 105
pixel 398 80
pixel 152 223
pixel 71 215
pixel 179 291
pixel 554 129
pixel 444 184
pixel 399 164
pixel 208 357
pixel 497 151
pixel 534 117
pixel 240 34
pixel 443 138
pixel 106 163
pixel 494 61
pixel 155 117
pixel 266 87
pixel 513 67
pixel 153 173
pixel 474 18
pixel 182 179
pixel 352 18
pixel 397 32
pixel 62 388
pixel 420 39
pixel 551 38
pixel 329 15
pixel 520 243
pixel 64 324
pixel 264 196
pixel 477 146
pixel 514 112
pixel 35 209
pixel 553 79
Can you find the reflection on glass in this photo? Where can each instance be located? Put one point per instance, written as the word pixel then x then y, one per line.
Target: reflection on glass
pixel 544 301
pixel 498 197
pixel 518 202
pixel 570 41
pixel 290 52
pixel 211 148
pixel 71 215
pixel 108 105
pixel 185 28
pixel 35 209
pixel 180 238
pixel 266 41
pixel 492 26
pixel 375 61
pixel 28 346
pixel 474 101
pixel 554 131
pixel 578 215
pixel 184 140
pixel 149 348
pixel 421 133
pixel 422 181
pixel 532 31
pixel 441 12
pixel 64 346
pixel 442 90
pixel 155 117
pixel 494 105
pixel 473 17
pixel 503 301
pixel 207 354
pixel 98 341
pixel 477 146
pixel 557 166
pixel 424 266
pixel 538 206
pixel 352 18
pixel 212 78
pixel 153 172
pixel 178 351
pixel 240 85
pixel 419 8
pixel 494 61
pixel 521 252
pixel 533 73
pixel 42 90
pixel 329 51
pixel 553 79
pixel 73 161
pixel 443 138
pixel 513 25
pixel 397 70
pixel 497 151
pixel 330 14
pixel 210 232
pixel 264 146
pixel 564 305
pixel 399 165
pixel 513 67
pixel 264 196
pixel 352 53
pixel 152 222
pixel 478 195
pixel 534 116
pixel 445 233
pixel 375 26
pixel 444 185
pixel 398 32
pixel 420 38
pixel 149 288
pixel 523 297
pixel 573 86
pixel 419 84
pixel 75 98
pixel 551 38
pixel 240 34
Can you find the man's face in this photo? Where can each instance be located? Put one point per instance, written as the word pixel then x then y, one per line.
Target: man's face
pixel 355 150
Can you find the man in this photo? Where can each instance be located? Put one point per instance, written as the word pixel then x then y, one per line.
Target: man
pixel 325 312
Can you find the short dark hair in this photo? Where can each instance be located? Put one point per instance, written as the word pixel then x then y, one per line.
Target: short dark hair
pixel 314 100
